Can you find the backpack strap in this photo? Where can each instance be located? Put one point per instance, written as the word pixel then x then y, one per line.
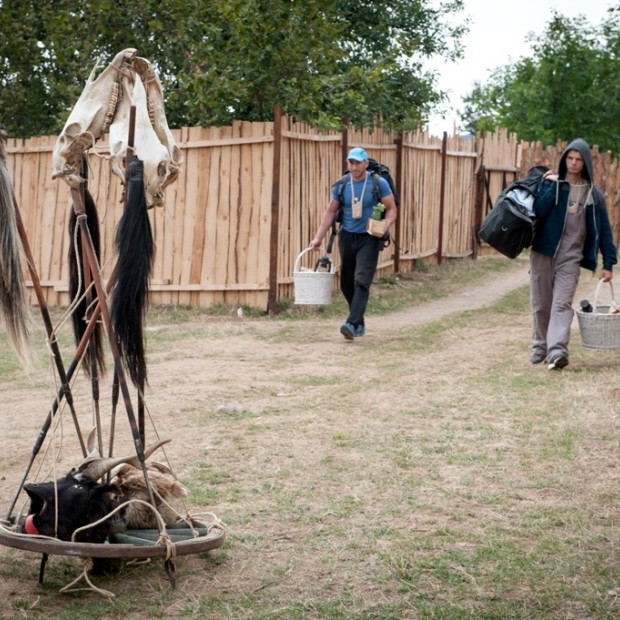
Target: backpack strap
pixel 340 186
pixel 338 217
pixel 376 187
pixel 332 236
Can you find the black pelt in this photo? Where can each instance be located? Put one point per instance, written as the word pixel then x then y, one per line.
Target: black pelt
pixel 135 248
pixel 94 354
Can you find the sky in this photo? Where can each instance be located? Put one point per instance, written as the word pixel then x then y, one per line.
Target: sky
pixel 497 36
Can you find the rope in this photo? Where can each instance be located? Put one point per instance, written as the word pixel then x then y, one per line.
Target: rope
pixel 87 565
pixel 163 449
pixel 13 532
pixel 215 523
pixel 164 539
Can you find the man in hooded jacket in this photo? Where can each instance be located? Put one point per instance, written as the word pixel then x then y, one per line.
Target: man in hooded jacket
pixel 572 227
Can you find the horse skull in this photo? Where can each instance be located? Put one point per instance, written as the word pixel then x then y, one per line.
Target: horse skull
pixel 89 118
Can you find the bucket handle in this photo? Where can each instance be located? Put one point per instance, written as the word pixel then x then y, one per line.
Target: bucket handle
pixel 598 289
pixel 298 259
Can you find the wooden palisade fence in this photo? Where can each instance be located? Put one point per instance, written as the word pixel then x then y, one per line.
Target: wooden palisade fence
pixel 250 198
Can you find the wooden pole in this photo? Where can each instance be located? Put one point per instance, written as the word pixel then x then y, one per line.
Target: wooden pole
pixel 478 194
pixel 90 327
pixel 65 389
pixel 399 189
pixel 345 141
pixel 275 211
pixel 442 197
pixel 94 371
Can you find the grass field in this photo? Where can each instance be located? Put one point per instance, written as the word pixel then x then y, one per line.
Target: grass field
pixel 423 471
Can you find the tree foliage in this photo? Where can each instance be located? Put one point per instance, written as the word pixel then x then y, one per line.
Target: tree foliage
pixel 221 60
pixel 568 87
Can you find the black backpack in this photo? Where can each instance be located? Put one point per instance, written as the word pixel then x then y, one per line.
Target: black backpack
pixel 376 169
pixel 510 225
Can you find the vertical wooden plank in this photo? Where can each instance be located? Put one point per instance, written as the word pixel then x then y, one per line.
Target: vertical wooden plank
pixel 164 221
pixel 199 208
pixel 221 249
pixel 275 210
pixel 235 259
pixel 284 214
pixel 211 174
pixel 186 225
pixel 52 260
pixel 178 218
pixel 251 209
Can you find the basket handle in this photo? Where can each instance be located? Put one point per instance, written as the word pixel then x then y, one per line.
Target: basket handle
pixel 598 289
pixel 298 259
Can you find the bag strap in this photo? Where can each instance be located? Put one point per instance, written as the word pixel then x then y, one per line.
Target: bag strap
pixel 340 190
pixel 332 236
pixel 376 187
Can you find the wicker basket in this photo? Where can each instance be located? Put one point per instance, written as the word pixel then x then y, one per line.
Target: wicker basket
pixel 312 287
pixel 600 329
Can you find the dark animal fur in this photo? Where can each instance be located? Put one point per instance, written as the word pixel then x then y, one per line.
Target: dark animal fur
pixel 135 248
pixel 94 356
pixel 88 502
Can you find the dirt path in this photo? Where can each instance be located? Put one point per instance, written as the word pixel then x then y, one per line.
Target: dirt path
pixel 479 296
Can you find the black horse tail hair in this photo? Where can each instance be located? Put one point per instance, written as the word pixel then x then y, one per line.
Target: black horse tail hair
pixel 94 356
pixel 14 308
pixel 135 248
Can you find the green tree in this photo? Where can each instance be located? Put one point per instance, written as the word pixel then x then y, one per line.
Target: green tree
pixel 568 87
pixel 221 60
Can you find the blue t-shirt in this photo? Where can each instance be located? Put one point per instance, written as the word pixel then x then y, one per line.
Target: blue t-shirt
pixel 368 205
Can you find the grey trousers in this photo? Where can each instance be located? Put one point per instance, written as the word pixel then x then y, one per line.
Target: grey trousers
pixel 552 289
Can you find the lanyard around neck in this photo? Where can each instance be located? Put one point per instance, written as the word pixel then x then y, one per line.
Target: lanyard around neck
pixel 361 198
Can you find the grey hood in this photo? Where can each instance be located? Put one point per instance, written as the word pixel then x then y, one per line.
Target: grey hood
pixel 584 149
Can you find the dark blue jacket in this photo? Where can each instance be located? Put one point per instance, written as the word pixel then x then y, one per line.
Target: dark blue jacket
pixel 550 207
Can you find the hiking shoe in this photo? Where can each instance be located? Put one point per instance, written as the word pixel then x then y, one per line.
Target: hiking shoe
pixel 537 358
pixel 360 330
pixel 348 331
pixel 559 362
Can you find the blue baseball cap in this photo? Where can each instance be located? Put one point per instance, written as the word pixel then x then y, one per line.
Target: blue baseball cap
pixel 357 154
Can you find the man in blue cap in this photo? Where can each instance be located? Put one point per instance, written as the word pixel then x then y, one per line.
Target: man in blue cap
pixel 359 250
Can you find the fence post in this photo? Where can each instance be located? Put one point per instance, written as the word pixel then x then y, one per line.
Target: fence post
pixel 442 195
pixel 399 188
pixel 479 173
pixel 345 140
pixel 275 211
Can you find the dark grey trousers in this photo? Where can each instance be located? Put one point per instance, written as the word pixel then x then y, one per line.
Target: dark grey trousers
pixel 359 255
